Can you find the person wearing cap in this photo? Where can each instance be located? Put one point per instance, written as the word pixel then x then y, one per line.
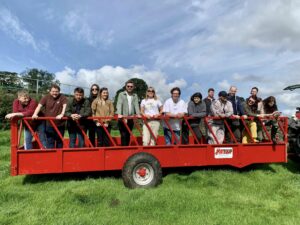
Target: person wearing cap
pixel 223 109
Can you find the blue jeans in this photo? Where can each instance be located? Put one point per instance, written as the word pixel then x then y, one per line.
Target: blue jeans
pixel 53 137
pixel 40 130
pixel 74 132
pixel 168 136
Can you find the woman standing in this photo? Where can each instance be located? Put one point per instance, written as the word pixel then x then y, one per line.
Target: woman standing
pixel 197 109
pixel 269 108
pixel 104 107
pixel 151 108
pixel 94 91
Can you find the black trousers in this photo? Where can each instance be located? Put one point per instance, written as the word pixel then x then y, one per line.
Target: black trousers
pixel 125 135
pixel 91 127
pixel 103 139
pixel 235 128
pixel 185 133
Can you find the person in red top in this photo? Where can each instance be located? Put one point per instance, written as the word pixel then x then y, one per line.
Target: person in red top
pixel 24 106
pixel 54 105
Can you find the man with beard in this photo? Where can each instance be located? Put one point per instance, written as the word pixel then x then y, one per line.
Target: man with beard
pixel 77 110
pixel 54 105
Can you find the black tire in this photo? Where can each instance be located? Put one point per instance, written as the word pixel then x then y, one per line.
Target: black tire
pixel 297 143
pixel 142 170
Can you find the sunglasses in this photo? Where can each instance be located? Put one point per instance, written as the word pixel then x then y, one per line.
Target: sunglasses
pixel 151 91
pixel 95 89
pixel 129 86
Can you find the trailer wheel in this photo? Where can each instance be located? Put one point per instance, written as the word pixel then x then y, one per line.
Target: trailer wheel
pixel 142 170
pixel 297 143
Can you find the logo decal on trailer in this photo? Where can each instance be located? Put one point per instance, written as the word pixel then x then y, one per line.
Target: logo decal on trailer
pixel 223 153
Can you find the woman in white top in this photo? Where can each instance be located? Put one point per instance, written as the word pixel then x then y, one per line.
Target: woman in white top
pixel 151 108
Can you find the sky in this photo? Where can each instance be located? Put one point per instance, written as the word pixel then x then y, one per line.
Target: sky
pixel 194 44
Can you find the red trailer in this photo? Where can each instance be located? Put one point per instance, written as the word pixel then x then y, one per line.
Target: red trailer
pixel 142 165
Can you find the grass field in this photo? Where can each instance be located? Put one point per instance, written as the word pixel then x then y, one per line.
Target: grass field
pixel 261 194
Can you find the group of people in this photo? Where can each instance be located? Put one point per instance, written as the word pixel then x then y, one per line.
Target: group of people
pixel 176 128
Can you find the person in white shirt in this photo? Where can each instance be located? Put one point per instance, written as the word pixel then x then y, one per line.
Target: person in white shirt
pixel 174 107
pixel 151 108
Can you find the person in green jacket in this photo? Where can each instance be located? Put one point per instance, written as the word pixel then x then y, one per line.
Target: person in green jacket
pixel 127 105
pixel 78 108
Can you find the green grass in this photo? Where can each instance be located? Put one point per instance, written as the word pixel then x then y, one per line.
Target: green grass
pixel 264 194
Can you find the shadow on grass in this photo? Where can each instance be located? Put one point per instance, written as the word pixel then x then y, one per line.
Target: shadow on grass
pixel 41 178
pixel 292 166
pixel 189 170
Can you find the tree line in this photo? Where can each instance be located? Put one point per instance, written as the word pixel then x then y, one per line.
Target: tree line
pixel 37 82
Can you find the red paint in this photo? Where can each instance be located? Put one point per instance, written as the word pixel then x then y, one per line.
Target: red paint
pixel 65 160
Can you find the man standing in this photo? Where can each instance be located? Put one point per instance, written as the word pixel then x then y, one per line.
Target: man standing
pixel 174 107
pixel 238 111
pixel 78 108
pixel 24 106
pixel 54 105
pixel 127 105
pixel 208 100
pixel 220 108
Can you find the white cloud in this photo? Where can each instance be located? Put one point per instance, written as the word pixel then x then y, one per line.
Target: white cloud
pixel 81 30
pixel 11 25
pixel 224 85
pixel 114 78
pixel 273 24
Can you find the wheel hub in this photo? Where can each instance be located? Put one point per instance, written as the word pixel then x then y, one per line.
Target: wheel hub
pixel 142 172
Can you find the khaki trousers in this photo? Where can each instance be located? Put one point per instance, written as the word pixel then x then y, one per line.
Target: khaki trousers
pixel 147 137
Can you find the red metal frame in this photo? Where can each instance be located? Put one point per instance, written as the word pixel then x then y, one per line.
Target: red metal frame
pixel 94 158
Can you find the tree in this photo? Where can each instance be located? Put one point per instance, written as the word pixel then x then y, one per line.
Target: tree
pixel 38 80
pixel 140 89
pixel 10 80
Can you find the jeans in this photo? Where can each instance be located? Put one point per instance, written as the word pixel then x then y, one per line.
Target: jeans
pixel 75 132
pixel 168 136
pixel 53 138
pixel 40 130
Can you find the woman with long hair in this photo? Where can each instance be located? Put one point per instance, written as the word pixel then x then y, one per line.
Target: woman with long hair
pixel 269 108
pixel 94 91
pixel 151 108
pixel 103 107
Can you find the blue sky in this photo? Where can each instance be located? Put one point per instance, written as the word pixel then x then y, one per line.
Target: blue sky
pixel 191 44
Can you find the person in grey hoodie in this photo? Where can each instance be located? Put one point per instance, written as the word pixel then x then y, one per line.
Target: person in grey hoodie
pixel 196 109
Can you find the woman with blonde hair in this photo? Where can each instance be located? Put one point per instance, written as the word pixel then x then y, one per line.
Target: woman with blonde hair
pixel 151 108
pixel 103 107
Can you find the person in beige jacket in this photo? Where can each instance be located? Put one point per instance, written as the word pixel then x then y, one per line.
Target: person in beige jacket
pixel 223 109
pixel 104 107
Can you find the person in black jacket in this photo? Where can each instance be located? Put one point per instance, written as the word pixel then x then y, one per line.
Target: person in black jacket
pixel 94 92
pixel 77 109
pixel 196 109
pixel 238 111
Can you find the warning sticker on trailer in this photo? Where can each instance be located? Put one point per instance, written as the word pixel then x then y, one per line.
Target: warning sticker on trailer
pixel 223 153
